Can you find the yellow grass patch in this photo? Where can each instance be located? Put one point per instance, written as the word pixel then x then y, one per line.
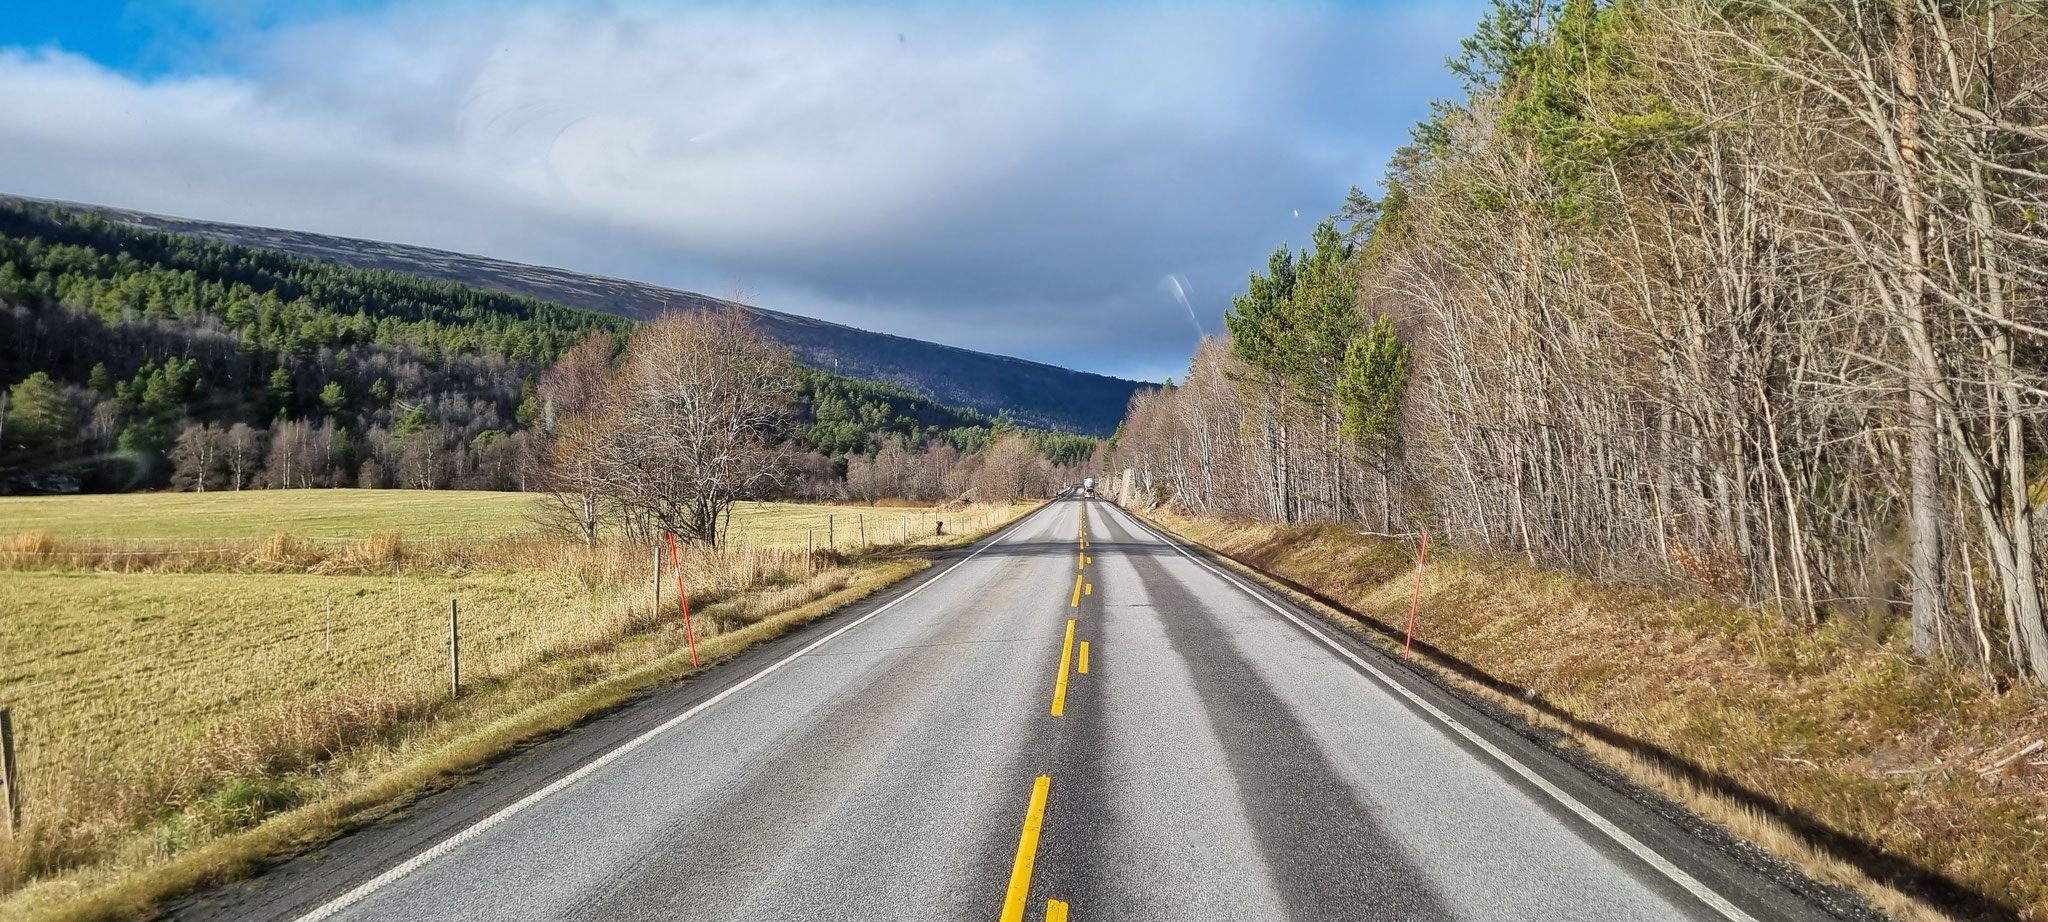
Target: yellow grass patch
pixel 326 516
pixel 177 706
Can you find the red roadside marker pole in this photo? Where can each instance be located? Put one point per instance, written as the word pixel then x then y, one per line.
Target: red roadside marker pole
pixel 1416 604
pixel 676 555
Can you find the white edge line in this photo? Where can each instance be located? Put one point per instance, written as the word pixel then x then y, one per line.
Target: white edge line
pixel 1650 856
pixel 368 887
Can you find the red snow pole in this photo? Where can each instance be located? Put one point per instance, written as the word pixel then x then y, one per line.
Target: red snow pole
pixel 1416 604
pixel 676 555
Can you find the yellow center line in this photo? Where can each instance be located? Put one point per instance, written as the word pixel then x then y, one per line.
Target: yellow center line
pixel 1077 591
pixel 1027 851
pixel 1059 688
pixel 1083 668
pixel 1055 911
pixel 1088 589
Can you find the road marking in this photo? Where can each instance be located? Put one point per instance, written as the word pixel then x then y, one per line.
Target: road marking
pixel 443 847
pixel 1080 561
pixel 1083 668
pixel 1088 589
pixel 1027 851
pixel 1059 688
pixel 1077 592
pixel 1055 911
pixel 1635 846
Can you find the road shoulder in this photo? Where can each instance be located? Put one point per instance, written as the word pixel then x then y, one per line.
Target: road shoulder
pixel 1760 883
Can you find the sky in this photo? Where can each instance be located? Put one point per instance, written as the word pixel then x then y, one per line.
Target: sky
pixel 1046 180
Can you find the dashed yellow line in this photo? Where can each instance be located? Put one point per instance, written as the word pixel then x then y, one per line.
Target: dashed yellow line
pixel 1077 592
pixel 1083 667
pixel 1059 688
pixel 1055 911
pixel 1027 851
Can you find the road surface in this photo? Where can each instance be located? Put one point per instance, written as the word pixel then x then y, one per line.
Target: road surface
pixel 1076 719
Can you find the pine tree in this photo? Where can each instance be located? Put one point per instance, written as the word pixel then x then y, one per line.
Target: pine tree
pixel 333 399
pixel 282 390
pixel 38 414
pixel 1258 320
pixel 1322 316
pixel 1375 374
pixel 528 413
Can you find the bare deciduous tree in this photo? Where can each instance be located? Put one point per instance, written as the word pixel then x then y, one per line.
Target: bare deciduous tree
pixel 687 424
pixel 198 458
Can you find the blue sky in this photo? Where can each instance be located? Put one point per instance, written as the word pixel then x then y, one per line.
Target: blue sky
pixel 152 38
pixel 1034 180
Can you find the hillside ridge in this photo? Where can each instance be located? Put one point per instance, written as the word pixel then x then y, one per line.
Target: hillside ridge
pixel 1033 393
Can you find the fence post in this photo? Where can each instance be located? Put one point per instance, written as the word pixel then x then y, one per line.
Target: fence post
pixel 863 519
pixel 10 776
pixel 657 579
pixel 454 650
pixel 831 536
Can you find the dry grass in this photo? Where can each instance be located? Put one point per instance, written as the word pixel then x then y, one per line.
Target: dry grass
pixel 259 513
pixel 1830 747
pixel 792 524
pixel 179 701
pixel 200 531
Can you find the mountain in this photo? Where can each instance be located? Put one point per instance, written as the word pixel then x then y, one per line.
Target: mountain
pixel 1033 393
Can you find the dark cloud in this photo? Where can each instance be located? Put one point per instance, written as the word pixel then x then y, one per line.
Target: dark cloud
pixel 1002 179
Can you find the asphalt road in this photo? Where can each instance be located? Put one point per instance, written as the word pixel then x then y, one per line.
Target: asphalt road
pixel 1216 754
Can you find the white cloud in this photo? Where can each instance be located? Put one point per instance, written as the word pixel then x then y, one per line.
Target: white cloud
pixel 996 178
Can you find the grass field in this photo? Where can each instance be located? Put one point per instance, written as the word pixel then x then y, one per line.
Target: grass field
pixel 109 667
pixel 257 513
pixel 164 707
pixel 418 514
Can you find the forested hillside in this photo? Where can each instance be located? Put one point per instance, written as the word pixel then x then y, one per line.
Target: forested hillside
pixel 1033 393
pixel 136 359
pixel 1751 297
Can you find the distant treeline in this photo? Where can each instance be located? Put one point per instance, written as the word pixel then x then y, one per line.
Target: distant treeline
pixel 848 416
pixel 137 359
